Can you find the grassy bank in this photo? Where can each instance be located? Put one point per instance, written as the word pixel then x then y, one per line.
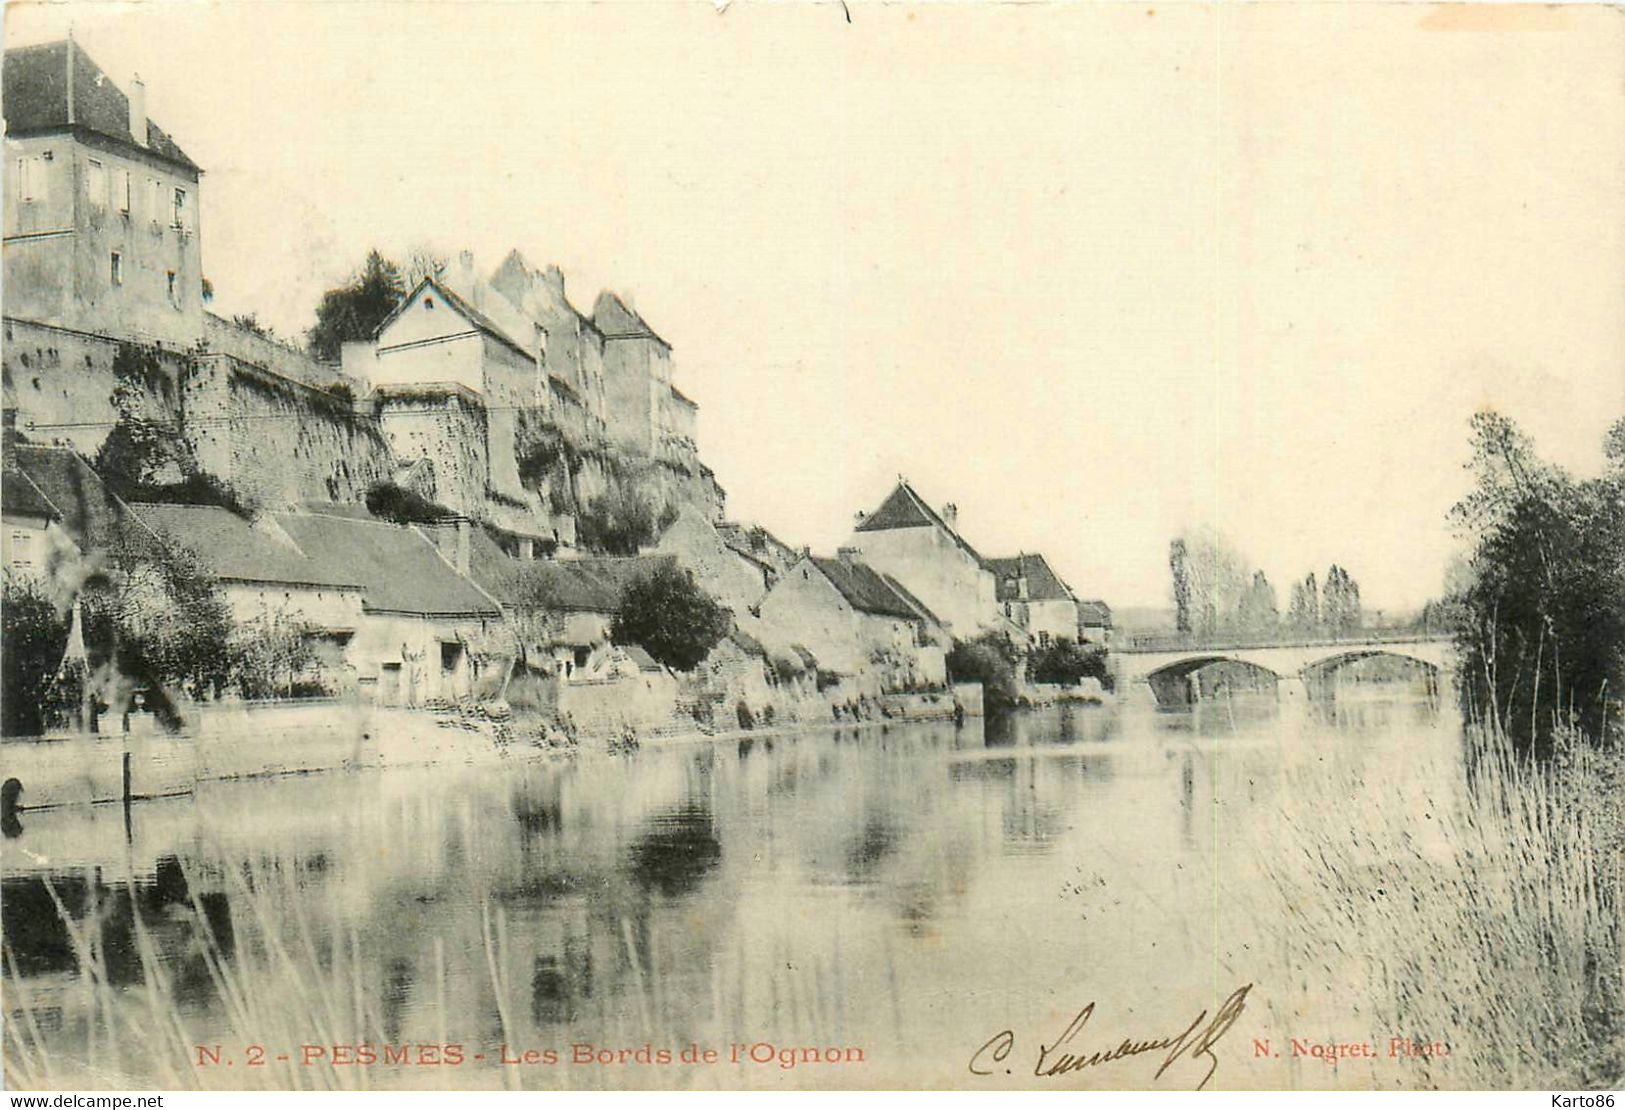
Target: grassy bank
pixel 1480 906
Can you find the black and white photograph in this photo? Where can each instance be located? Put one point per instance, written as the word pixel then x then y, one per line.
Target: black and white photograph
pixel 718 545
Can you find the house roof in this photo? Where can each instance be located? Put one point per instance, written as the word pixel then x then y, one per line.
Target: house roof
pixel 614 319
pixel 21 497
pixel 756 542
pixel 906 509
pixel 866 590
pixel 56 86
pixel 536 583
pixel 615 572
pixel 643 659
pixel 1095 612
pixel 481 321
pixel 231 547
pixel 678 394
pixel 1043 584
pixel 399 568
pixel 89 512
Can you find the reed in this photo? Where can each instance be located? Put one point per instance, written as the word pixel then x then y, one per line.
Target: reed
pixel 1481 908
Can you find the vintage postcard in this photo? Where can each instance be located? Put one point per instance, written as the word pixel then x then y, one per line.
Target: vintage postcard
pixel 572 546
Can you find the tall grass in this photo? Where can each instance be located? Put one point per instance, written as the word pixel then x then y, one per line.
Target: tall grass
pixel 1479 907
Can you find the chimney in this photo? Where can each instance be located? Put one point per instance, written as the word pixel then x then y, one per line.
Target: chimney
pixel 462 544
pixel 849 555
pixel 950 513
pixel 8 438
pixel 859 518
pixel 138 111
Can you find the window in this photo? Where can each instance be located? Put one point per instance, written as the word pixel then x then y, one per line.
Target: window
pixel 22 549
pixel 121 190
pixel 170 274
pixel 31 178
pixel 1043 639
pixel 157 200
pixel 96 183
pixel 115 270
pixel 428 304
pixel 180 209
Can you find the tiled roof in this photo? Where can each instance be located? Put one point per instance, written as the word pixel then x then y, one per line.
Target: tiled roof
pixel 20 496
pixel 539 583
pixel 89 512
pixel 55 86
pixel 866 590
pixel 678 394
pixel 1096 613
pixel 400 569
pixel 614 572
pixel 1043 584
pixel 645 662
pixel 231 547
pixel 906 509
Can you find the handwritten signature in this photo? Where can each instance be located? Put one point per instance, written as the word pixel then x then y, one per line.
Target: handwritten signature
pixel 1196 1042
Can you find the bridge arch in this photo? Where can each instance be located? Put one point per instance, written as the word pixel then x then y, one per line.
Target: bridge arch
pixel 1177 683
pixel 1319 673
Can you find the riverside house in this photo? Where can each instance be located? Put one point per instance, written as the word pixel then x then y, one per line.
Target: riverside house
pixel 1035 599
pixel 861 625
pixel 919 548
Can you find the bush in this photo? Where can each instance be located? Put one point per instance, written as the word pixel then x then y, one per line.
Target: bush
pixel 388 501
pixel 621 522
pixel 670 617
pixel 35 635
pixel 991 659
pixel 1066 662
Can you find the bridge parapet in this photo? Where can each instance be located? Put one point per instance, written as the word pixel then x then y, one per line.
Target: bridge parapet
pixel 1284 659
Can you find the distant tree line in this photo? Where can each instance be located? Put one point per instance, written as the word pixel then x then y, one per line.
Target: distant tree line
pixel 1216 593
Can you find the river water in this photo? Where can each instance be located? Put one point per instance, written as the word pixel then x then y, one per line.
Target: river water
pixel 836 907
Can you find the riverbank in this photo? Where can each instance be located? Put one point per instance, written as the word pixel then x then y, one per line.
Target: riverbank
pixel 256 740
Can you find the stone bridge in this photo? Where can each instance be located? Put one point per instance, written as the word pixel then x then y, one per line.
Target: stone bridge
pixel 1168 665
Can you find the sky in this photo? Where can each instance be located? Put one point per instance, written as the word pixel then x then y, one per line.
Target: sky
pixel 1095 273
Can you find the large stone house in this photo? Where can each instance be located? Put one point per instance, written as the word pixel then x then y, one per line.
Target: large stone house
pixel 1033 596
pixel 861 625
pixel 101 212
pixel 920 548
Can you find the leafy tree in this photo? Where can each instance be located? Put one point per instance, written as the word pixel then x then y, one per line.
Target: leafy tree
pixel 1066 662
pixel 621 522
pixel 1303 613
pixel 1182 584
pixel 35 635
pixel 272 655
pixel 157 619
pixel 1543 617
pixel 1258 616
pixel 1340 603
pixel 992 659
pixel 665 613
pixel 353 311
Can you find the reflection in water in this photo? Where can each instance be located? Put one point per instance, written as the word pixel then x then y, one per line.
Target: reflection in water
pixel 851 886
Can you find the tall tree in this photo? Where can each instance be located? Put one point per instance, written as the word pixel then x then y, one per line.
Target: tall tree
pixel 1259 616
pixel 1543 628
pixel 354 310
pixel 1182 584
pixel 1303 613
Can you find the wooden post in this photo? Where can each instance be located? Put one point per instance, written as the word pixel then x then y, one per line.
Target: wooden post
pixel 127 836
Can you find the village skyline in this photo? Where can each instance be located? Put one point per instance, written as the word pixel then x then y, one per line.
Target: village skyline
pixel 1099 407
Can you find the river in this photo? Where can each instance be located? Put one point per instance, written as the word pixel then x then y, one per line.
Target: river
pixel 836 907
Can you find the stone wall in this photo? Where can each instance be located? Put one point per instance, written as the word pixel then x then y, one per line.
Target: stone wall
pixel 278 441
pixel 61 382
